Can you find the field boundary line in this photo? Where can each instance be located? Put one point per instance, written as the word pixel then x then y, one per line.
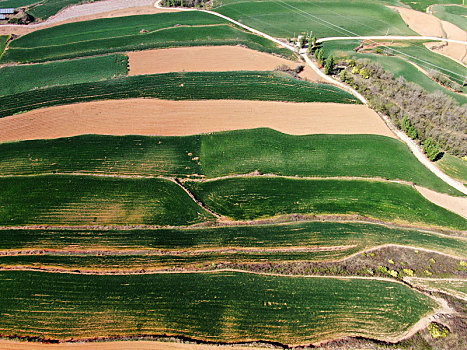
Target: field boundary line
pixel 390 37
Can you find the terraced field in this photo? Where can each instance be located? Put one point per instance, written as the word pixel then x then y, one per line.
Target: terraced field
pixel 65 200
pixel 213 236
pixel 207 306
pixel 454 167
pixel 132 33
pixel 268 86
pixel 40 76
pixel 453 14
pixel 284 18
pixel 221 154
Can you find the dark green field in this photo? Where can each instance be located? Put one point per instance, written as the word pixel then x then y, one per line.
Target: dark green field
pixel 133 33
pixel 268 86
pixel 220 154
pixel 262 197
pixel 229 306
pixel 3 41
pixel 39 76
pixel 84 200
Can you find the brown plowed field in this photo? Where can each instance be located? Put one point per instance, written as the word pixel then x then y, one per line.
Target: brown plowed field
pixel 178 118
pixel 208 59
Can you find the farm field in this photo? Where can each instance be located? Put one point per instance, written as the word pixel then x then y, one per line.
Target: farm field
pixel 423 4
pixel 221 154
pixel 453 14
pixel 209 58
pixel 318 235
pixel 65 200
pixel 453 166
pixel 262 197
pixel 200 305
pixel 119 34
pixel 401 66
pixel 266 86
pixel 39 76
pixel 284 18
pixel 183 118
pixel 165 178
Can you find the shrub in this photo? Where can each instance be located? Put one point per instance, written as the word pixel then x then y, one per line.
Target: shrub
pixel 329 67
pixel 437 330
pixel 409 129
pixel 431 149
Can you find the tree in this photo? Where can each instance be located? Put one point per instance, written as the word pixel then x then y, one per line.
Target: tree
pixel 320 56
pixel 431 149
pixel 328 68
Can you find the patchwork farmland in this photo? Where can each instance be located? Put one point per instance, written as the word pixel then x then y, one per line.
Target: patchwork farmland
pixel 232 173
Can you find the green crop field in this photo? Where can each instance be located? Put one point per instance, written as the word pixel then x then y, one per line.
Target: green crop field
pixel 399 66
pixel 454 167
pixel 455 287
pixel 133 33
pixel 221 154
pixel 84 200
pixel 17 3
pixel 262 197
pixel 453 14
pixel 268 86
pixel 325 18
pixel 3 41
pixel 207 241
pixel 39 76
pixel 228 306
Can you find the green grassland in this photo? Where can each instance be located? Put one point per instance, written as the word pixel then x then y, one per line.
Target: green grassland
pixel 228 306
pixel 262 197
pixel 453 14
pixel 221 154
pixel 398 66
pixel 133 33
pixel 187 242
pixel 266 86
pixel 66 200
pixel 284 18
pixel 454 167
pixel 39 76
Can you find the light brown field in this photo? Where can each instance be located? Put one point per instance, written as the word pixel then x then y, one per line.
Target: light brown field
pixel 116 345
pixel 457 205
pixel 178 118
pixel 208 59
pixel 429 25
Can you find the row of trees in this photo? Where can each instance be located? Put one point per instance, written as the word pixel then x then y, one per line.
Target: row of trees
pixel 435 119
pixel 187 3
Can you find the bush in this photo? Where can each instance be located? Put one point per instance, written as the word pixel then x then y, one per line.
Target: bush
pixel 409 129
pixel 437 330
pixel 329 67
pixel 431 149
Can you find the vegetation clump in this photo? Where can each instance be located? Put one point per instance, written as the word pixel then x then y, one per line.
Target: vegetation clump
pixel 437 330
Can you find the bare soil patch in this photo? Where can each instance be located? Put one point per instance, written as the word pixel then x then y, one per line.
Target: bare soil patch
pixel 179 118
pixel 207 59
pixel 429 25
pixel 457 205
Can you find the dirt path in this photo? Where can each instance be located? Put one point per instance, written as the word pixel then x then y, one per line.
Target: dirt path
pixel 178 118
pixel 208 59
pixel 86 12
pixel 457 205
pixel 428 25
